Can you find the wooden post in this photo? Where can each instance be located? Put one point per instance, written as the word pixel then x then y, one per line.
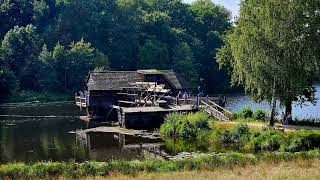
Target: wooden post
pixel 198 101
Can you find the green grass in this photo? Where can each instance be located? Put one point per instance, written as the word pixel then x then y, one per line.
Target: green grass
pixel 90 169
pixel 31 96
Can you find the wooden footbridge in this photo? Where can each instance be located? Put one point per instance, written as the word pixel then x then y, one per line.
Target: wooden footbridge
pixel 214 110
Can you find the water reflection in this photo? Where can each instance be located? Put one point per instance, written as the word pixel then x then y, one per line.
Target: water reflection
pixel 109 146
pixel 39 140
pixel 40 132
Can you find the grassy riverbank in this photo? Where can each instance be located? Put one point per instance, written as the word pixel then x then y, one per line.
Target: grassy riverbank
pixel 134 168
pixel 296 169
pixel 300 169
pixel 198 127
pixel 31 96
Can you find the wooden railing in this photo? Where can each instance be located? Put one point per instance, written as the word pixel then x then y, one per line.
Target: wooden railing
pixel 81 101
pixel 215 110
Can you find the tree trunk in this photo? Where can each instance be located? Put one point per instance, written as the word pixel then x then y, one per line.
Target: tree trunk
pixel 288 106
pixel 273 104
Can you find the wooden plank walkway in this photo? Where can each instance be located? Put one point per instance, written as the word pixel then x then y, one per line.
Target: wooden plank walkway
pixel 159 109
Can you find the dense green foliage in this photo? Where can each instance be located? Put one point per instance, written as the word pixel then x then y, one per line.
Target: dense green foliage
pixel 31 96
pixel 272 47
pixel 266 140
pixel 181 130
pixel 259 114
pixel 247 114
pixel 77 170
pixel 186 126
pixel 8 82
pixel 50 45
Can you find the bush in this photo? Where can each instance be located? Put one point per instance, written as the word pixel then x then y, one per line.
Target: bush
pixel 13 170
pixel 259 115
pixel 246 112
pixel 186 130
pixel 185 126
pixel 302 141
pixel 268 140
pixel 200 120
pixel 169 127
pixel 237 136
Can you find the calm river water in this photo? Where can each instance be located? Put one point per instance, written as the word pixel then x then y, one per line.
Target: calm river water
pixel 308 110
pixel 41 132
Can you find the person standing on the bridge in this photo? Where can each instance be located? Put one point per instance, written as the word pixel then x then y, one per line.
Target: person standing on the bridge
pixel 177 98
pixel 185 97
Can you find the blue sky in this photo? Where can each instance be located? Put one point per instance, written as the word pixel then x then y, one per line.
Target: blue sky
pixel 232 5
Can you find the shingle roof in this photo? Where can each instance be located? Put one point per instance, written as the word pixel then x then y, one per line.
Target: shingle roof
pixel 112 80
pixel 116 80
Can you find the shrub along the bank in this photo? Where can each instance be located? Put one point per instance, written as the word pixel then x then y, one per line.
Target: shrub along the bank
pixel 237 136
pixel 186 126
pixel 246 114
pixel 54 170
pixel 259 115
pixel 266 140
pixel 307 122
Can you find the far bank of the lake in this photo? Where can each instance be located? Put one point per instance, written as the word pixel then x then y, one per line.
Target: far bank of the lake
pixel 31 96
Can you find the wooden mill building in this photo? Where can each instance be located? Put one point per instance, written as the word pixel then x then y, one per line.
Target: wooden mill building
pixel 137 99
pixel 134 98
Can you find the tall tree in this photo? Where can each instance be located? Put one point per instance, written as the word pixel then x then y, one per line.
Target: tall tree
pixel 210 23
pixel 20 48
pixel 269 49
pixel 47 76
pixel 184 63
pixel 72 64
pixel 15 13
pixel 154 54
